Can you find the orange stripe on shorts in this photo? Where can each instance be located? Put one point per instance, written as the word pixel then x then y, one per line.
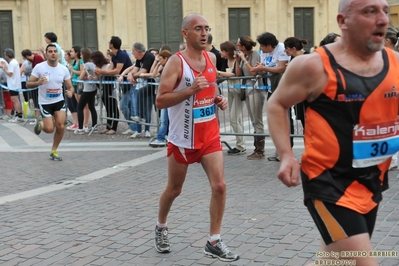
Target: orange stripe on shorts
pixel 334 228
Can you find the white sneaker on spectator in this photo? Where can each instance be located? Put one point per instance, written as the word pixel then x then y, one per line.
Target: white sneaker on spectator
pixel 79 131
pixel 15 119
pixel 157 143
pixel 86 129
pixel 6 117
pixel 136 135
pixel 135 118
pixel 128 131
pixel 147 134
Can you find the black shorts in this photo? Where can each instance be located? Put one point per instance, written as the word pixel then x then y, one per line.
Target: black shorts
pixel 48 110
pixel 335 222
pixel 14 93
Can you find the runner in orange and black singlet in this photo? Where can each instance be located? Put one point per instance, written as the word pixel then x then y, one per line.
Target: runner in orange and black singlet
pixel 350 136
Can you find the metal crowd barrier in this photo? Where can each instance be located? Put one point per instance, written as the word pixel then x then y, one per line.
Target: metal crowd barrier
pixel 246 113
pixel 135 105
pixel 123 102
pixel 28 99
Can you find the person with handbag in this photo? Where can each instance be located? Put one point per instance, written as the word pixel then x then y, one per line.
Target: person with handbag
pixel 246 60
pixel 228 51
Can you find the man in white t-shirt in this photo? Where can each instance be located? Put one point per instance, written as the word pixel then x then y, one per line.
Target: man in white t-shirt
pixel 13 82
pixel 51 37
pixel 273 58
pixel 49 76
pixel 273 64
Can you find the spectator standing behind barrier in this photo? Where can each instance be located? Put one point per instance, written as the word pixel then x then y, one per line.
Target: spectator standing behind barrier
pixel 51 37
pixel 273 66
pixel 34 59
pixel 128 102
pixel 111 104
pixel 13 73
pixel 188 90
pixel 75 67
pixel 143 94
pixel 25 71
pixel 50 76
pixel 154 51
pixel 227 51
pixel 330 38
pixel 156 61
pixel 294 48
pixel 120 61
pixel 343 172
pixel 8 106
pixel 246 58
pixel 161 60
pixel 210 48
pixel 68 58
pixel 88 95
pixel 3 82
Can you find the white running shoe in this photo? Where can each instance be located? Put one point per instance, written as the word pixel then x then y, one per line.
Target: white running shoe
pixel 157 143
pixel 135 118
pixel 147 134
pixel 136 135
pixel 128 131
pixel 15 119
pixel 5 117
pixel 79 131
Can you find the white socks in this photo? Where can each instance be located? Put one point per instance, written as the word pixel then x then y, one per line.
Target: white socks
pixel 159 225
pixel 213 238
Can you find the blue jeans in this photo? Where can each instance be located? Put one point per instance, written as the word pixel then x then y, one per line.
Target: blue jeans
pixel 163 124
pixel 126 106
pixel 145 99
pixel 1 97
pixel 135 107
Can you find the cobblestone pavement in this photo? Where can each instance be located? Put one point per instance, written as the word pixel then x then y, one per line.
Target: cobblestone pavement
pixel 99 206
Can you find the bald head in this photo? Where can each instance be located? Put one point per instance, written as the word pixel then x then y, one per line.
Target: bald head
pixel 188 19
pixel 344 6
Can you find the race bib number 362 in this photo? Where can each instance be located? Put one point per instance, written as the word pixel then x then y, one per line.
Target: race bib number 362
pixel 374 143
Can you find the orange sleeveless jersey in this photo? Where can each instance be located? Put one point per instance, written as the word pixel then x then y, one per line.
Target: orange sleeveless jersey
pixel 346 101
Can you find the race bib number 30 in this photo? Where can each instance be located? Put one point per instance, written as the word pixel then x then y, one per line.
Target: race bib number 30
pixel 374 143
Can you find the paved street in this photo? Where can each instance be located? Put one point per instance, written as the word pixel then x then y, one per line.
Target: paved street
pixel 99 206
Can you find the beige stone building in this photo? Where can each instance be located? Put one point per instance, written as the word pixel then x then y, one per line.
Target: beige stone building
pixel 394 12
pixel 91 23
